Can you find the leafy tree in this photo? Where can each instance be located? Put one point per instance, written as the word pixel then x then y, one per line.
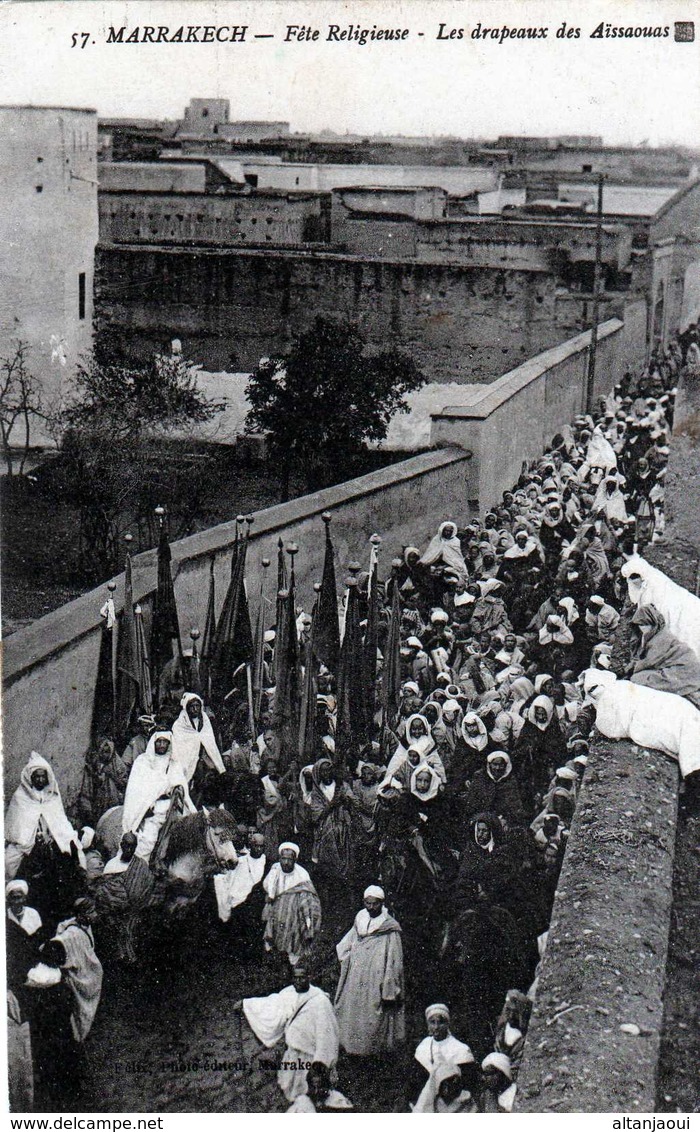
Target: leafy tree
pixel 326 398
pixel 20 402
pixel 119 407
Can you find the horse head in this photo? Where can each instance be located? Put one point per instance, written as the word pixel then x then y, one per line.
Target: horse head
pixel 220 848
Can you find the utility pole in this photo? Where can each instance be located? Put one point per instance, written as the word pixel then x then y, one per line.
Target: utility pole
pixel 590 376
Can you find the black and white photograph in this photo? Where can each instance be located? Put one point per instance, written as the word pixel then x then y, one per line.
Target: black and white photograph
pixel 350 559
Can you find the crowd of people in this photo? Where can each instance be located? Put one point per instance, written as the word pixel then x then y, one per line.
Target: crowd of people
pixel 519 633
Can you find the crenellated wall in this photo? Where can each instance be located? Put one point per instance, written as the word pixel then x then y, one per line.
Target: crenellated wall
pixel 183 218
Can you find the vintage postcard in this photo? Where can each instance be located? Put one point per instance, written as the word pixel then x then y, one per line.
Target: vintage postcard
pixel 349 401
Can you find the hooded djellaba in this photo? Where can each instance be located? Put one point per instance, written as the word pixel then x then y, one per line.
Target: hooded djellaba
pixel 36 819
pixel 538 750
pixel 660 660
pixel 494 789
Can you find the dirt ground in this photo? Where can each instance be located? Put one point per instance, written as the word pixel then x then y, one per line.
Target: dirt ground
pixel 166 1037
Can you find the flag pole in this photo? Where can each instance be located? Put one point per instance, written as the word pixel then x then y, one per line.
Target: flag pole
pixel 111 621
pixel 249 520
pixel 194 673
pixel 308 698
pixel 251 706
pixel 371 642
pixel 111 586
pixel 260 640
pixel 389 666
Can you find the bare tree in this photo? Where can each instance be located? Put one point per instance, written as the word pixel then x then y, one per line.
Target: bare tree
pixel 119 406
pixel 20 401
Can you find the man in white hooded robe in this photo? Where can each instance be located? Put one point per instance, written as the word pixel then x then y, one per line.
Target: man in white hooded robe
pixel 154 777
pixel 36 811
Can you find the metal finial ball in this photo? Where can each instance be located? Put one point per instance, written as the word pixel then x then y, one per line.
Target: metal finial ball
pixel 194 633
pixel 326 516
pixel 266 562
pixel 250 519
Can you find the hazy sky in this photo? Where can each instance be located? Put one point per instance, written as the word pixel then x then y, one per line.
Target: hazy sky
pixel 629 90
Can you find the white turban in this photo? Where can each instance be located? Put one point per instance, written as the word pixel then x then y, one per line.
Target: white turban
pixel 498 1061
pixel 566 772
pixel 437 1010
pixel 16 886
pixel 290 846
pixel 374 892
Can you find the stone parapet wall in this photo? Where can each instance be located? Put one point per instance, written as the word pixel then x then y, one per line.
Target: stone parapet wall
pixel 605 962
pixel 515 418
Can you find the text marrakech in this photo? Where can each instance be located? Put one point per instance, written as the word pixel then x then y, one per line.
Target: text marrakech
pixel 199 33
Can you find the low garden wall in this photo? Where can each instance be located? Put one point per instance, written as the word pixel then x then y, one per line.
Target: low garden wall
pixel 513 419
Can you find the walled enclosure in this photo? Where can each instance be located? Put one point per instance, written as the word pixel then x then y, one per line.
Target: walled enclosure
pixel 459 323
pixel 50 667
pixel 541 395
